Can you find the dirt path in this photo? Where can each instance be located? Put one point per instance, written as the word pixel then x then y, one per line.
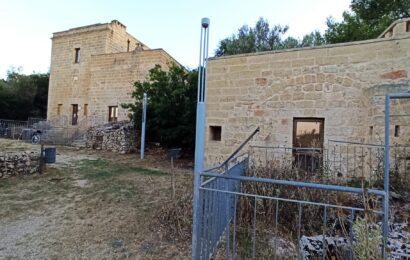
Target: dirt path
pixel 90 205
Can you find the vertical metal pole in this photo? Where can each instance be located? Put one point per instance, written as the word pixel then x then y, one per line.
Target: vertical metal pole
pixel 144 118
pixel 200 136
pixel 386 174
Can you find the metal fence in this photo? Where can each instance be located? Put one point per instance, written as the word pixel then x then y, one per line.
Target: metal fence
pixel 244 216
pixel 339 162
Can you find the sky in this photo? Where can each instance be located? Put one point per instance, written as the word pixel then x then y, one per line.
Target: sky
pixel 27 26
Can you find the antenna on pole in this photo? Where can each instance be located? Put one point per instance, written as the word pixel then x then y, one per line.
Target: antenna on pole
pixel 200 134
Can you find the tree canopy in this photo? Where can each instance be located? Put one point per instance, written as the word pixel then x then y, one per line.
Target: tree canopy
pixel 263 38
pixel 367 19
pixel 171 106
pixel 23 96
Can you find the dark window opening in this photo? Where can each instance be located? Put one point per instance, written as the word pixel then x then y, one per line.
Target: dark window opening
pixel 408 26
pixel 308 135
pixel 74 117
pixel 215 133
pixel 112 113
pixel 85 109
pixel 128 45
pixel 77 55
pixel 371 130
pixel 396 131
pixel 59 109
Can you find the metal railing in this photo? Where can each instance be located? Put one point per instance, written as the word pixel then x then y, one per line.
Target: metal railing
pixel 236 223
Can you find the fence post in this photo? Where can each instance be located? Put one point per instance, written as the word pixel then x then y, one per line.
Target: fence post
pixel 200 136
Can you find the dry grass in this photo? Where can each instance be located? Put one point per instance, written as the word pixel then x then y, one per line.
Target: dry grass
pixel 90 209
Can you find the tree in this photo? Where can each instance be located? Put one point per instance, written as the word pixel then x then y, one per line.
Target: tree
pixel 262 38
pixel 248 39
pixel 23 96
pixel 367 20
pixel 171 105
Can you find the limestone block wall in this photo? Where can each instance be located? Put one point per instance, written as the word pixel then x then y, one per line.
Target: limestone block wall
pixel 111 60
pixel 344 83
pixel 15 164
pixel 113 76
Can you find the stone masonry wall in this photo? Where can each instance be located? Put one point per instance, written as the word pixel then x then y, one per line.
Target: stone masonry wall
pixel 343 83
pixel 103 77
pixel 116 137
pixel 15 164
pixel 113 77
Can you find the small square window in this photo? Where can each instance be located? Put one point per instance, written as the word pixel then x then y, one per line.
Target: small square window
pixel 408 26
pixel 77 55
pixel 215 133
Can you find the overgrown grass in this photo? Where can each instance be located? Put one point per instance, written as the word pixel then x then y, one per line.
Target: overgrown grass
pixel 103 169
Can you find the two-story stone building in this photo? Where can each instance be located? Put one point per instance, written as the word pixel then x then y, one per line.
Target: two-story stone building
pixel 92 72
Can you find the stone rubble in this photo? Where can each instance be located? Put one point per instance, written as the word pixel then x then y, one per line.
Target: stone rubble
pixel 398 243
pixel 116 137
pixel 16 164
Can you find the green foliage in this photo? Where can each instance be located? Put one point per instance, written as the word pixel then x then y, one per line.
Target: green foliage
pixel 368 238
pixel 171 106
pixel 258 38
pixel 368 19
pixel 23 96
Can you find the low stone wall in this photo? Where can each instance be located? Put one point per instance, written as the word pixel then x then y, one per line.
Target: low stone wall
pixel 15 164
pixel 117 137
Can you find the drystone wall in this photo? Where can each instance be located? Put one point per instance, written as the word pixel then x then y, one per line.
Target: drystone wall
pixel 16 164
pixel 116 137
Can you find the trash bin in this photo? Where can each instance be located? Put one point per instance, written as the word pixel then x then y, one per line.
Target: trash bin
pixel 50 155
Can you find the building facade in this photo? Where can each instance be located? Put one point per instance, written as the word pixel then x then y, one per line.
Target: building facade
pixel 332 92
pixel 92 72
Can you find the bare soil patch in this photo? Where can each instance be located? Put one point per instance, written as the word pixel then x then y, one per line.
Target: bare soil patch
pixel 91 205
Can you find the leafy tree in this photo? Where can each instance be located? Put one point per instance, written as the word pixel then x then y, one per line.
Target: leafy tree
pixel 248 39
pixel 367 20
pixel 171 105
pixel 263 38
pixel 23 96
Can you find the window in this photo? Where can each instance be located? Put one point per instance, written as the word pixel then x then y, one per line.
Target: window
pixel 77 55
pixel 85 109
pixel 128 45
pixel 370 130
pixel 215 133
pixel 408 26
pixel 308 143
pixel 396 131
pixel 74 117
pixel 59 109
pixel 308 132
pixel 112 113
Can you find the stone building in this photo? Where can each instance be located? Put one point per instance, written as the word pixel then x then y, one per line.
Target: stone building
pixel 334 91
pixel 92 72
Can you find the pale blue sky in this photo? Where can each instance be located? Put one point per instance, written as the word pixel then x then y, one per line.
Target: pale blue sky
pixel 27 26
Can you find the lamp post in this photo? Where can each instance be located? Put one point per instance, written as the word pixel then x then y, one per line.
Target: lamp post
pixel 200 135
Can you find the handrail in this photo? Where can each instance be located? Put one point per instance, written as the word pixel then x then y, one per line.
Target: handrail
pixel 235 152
